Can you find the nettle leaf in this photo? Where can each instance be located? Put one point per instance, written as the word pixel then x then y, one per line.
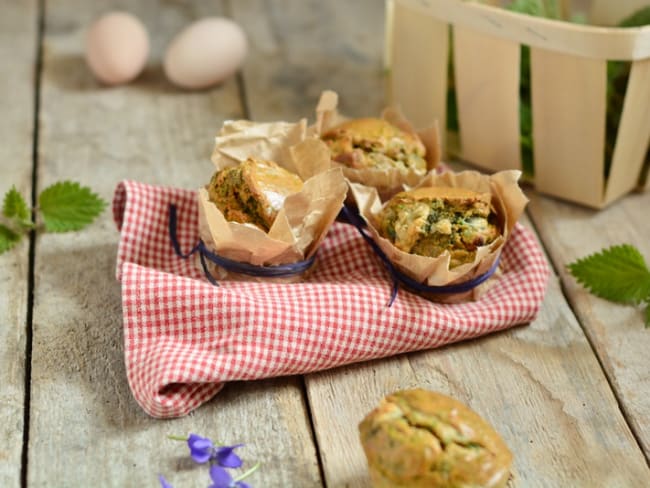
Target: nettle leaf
pixel 15 206
pixel 8 238
pixel 618 273
pixel 68 206
pixel 646 316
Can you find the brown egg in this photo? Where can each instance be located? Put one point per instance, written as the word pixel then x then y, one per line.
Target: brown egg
pixel 205 53
pixel 117 46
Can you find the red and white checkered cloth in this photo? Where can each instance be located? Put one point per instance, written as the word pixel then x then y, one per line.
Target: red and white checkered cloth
pixel 184 338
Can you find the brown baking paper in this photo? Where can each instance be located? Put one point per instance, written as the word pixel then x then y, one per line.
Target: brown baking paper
pixel 387 181
pixel 508 202
pixel 305 216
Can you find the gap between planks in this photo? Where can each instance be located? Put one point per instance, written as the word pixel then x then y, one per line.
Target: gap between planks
pixel 38 71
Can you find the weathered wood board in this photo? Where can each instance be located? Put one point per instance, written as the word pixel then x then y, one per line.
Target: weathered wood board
pixel 18 41
pixel 616 332
pixel 301 48
pixel 85 423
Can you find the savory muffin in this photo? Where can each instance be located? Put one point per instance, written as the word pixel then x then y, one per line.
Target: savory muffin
pixel 253 191
pixel 418 438
pixel 376 144
pixel 428 221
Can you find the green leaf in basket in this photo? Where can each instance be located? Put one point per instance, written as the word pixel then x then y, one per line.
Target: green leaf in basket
pixel 637 19
pixel 67 206
pixel 549 9
pixel 646 317
pixel 618 274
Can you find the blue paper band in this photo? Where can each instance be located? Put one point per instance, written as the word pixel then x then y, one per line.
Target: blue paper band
pixel 280 270
pixel 399 277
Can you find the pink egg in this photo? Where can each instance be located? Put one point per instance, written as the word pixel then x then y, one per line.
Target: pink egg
pixel 205 53
pixel 117 46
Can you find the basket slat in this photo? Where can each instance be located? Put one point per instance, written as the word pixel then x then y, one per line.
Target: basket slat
pixel 487 90
pixel 568 99
pixel 418 85
pixel 633 133
pixel 581 40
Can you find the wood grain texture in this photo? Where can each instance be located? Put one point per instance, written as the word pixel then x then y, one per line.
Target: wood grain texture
pixel 615 331
pixel 86 428
pixel 18 41
pixel 539 385
pixel 301 48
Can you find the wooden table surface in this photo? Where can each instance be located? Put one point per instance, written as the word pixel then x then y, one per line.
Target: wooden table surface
pixel 570 392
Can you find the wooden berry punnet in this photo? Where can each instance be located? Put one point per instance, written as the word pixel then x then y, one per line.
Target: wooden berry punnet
pixel 568 90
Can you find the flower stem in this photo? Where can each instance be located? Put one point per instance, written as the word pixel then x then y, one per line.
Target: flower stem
pixel 248 473
pixel 177 438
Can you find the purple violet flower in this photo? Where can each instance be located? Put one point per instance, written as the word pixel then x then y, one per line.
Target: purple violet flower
pixel 221 478
pixel 226 457
pixel 163 482
pixel 201 448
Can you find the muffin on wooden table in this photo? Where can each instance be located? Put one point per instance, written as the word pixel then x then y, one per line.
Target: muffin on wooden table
pixel 418 438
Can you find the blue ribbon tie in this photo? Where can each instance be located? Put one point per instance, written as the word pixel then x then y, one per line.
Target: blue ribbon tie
pixel 399 277
pixel 275 271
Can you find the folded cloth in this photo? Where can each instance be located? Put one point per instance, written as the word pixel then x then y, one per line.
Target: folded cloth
pixel 184 337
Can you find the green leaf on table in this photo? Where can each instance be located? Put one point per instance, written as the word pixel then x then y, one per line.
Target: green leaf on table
pixel 67 206
pixel 8 238
pixel 15 207
pixel 618 273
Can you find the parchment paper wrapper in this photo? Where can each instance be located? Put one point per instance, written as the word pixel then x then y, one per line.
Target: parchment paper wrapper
pixel 508 202
pixel 387 181
pixel 305 217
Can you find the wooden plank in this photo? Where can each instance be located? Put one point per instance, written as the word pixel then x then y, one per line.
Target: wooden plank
pixel 18 40
pixel 539 385
pixel 615 331
pixel 530 382
pixel 303 48
pixel 86 428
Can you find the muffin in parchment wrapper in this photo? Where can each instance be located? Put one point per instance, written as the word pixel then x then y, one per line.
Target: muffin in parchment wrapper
pixel 417 438
pixel 507 203
pixel 388 180
pixel 304 217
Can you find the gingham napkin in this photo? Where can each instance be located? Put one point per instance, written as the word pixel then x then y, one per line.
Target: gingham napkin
pixel 184 337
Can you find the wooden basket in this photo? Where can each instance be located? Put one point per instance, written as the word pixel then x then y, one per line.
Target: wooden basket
pixel 568 88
